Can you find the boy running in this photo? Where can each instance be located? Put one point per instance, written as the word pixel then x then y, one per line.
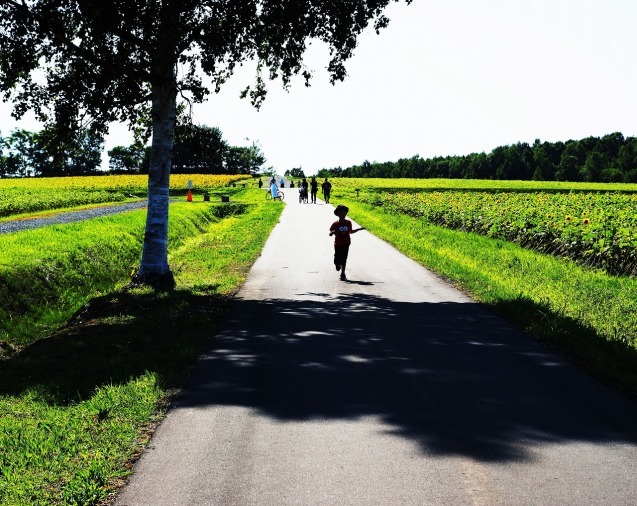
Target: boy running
pixel 341 231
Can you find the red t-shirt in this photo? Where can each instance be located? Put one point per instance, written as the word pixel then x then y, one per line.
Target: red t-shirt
pixel 342 233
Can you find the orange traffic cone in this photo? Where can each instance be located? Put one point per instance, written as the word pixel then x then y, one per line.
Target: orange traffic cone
pixel 189 197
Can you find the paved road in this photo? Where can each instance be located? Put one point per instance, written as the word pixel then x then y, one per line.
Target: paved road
pixel 393 388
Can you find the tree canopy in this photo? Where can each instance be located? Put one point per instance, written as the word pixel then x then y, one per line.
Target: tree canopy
pixel 91 62
pixel 98 61
pixel 244 159
pixel 295 172
pixel 198 149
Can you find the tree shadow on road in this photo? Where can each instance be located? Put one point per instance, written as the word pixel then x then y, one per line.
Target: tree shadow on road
pixel 454 378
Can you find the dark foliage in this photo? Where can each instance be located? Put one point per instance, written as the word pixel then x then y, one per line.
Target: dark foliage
pixel 611 158
pixel 47 153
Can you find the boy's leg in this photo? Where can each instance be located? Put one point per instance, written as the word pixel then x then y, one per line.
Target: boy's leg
pixel 340 257
pixel 343 261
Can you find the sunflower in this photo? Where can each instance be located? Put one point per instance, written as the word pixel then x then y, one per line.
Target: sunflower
pixel 568 217
pixel 586 221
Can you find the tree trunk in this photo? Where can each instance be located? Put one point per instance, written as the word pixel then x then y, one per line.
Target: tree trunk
pixel 154 269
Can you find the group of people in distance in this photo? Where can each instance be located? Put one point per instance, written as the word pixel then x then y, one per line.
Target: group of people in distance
pixel 341 229
pixel 312 186
pixel 304 186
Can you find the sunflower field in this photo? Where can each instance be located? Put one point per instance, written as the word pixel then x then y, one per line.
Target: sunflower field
pixel 593 228
pixel 433 184
pixel 28 195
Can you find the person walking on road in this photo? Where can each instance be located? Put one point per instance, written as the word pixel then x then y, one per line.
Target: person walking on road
pixel 274 189
pixel 327 188
pixel 313 189
pixel 305 187
pixel 341 230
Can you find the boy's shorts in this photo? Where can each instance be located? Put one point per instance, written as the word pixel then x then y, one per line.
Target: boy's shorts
pixel 340 254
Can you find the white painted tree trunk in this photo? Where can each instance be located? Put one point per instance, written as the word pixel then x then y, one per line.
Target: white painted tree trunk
pixel 154 269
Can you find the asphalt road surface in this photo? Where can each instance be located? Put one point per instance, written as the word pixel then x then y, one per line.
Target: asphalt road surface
pixel 392 388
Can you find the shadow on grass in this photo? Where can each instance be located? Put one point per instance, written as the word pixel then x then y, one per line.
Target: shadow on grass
pixel 451 377
pixel 612 361
pixel 112 339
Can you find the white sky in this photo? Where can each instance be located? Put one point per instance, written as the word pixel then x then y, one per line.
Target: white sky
pixel 447 77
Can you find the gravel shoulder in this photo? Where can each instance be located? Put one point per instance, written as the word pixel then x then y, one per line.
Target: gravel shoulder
pixel 62 218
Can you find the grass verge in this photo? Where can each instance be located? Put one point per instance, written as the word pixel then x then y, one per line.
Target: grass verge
pixel 47 273
pixel 77 406
pixel 588 315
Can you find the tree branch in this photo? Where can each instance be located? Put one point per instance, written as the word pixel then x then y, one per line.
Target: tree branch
pixel 75 49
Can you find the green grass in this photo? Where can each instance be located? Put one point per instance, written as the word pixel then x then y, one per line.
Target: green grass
pixel 47 273
pixel 77 406
pixel 586 314
pixel 68 454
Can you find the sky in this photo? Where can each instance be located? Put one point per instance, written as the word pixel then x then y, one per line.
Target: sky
pixel 446 77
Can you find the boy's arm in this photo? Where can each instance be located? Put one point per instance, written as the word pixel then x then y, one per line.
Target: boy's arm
pixel 353 230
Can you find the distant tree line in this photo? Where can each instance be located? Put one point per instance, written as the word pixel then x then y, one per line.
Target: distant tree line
pixel 198 149
pixel 296 172
pixel 611 158
pixel 45 153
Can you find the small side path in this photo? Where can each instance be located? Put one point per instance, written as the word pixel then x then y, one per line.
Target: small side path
pixel 392 388
pixel 7 227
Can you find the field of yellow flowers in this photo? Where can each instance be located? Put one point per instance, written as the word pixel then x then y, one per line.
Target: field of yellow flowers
pixel 18 196
pixel 598 229
pixel 433 184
